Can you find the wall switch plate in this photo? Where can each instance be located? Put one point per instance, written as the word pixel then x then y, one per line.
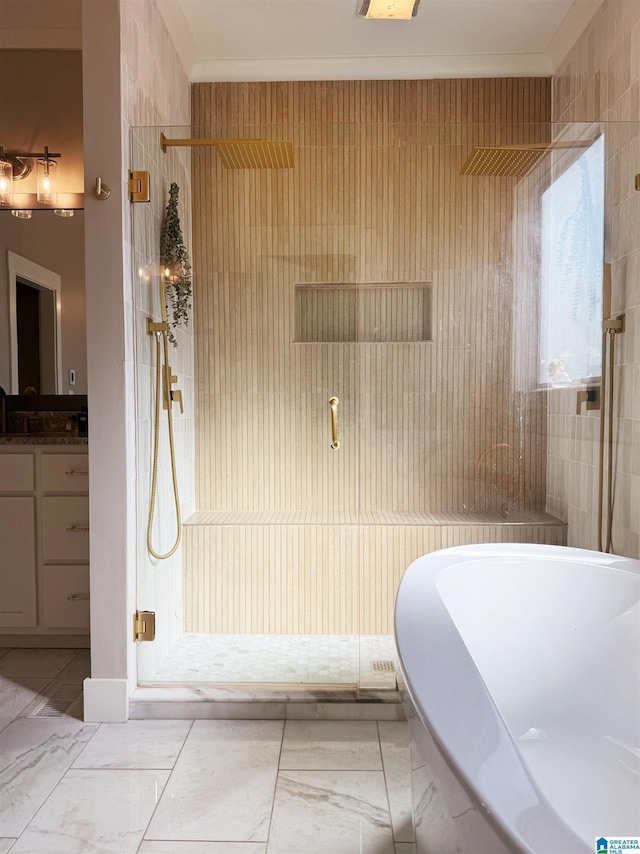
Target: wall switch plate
pixel 72 376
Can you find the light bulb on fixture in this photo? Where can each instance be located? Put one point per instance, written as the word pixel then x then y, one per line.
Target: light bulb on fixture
pixel 6 182
pixel 390 10
pixel 45 186
pixel 21 214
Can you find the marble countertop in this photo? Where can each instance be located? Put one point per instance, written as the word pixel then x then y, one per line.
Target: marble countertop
pixel 42 439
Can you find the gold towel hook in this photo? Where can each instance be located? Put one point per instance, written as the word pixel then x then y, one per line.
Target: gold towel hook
pixel 102 190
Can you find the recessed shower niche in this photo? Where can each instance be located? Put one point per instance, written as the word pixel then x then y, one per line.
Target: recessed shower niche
pixel 367 312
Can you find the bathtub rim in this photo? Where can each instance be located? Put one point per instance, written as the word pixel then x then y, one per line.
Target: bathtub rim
pixel 420 613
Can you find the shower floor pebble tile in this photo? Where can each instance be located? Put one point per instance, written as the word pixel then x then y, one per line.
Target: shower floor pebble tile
pixel 316 659
pixel 262 658
pixel 203 786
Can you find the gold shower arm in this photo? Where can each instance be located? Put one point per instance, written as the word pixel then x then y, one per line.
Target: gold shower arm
pixel 167 142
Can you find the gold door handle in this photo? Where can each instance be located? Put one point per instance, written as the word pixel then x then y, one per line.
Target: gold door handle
pixel 73 473
pixel 333 403
pixel 77 529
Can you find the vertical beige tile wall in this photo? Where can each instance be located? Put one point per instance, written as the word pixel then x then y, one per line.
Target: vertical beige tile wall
pixel 600 80
pixel 155 91
pixel 376 196
pixel 447 424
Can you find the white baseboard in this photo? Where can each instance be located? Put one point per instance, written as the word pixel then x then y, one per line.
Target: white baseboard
pixel 106 701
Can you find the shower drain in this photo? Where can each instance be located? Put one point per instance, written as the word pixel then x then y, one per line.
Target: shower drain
pixel 384 666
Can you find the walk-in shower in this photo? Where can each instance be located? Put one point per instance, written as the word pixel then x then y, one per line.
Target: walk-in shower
pixel 364 380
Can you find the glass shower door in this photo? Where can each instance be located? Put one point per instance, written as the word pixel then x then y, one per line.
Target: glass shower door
pixel 269 565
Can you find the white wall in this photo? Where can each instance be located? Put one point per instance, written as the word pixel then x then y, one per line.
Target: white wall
pixel 132 77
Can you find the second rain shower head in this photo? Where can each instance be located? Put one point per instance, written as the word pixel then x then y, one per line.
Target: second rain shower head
pixel 512 161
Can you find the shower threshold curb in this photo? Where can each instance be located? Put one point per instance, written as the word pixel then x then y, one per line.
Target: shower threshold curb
pixel 264 702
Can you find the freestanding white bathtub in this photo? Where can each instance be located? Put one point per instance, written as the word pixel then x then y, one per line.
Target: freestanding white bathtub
pixel 521 666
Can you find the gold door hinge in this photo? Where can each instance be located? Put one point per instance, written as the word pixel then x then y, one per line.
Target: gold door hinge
pixel 144 625
pixel 139 187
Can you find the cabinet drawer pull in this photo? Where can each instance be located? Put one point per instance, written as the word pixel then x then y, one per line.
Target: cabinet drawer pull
pixel 76 529
pixel 73 473
pixel 78 597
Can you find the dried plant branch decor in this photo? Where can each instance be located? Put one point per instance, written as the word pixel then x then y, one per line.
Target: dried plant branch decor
pixel 176 266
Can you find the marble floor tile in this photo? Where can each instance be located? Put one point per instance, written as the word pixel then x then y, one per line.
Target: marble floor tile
pixel 394 741
pixel 222 785
pixel 16 693
pixel 405 848
pixel 35 755
pixel 79 668
pixel 136 744
pixel 202 848
pixel 331 745
pixel 5 844
pixel 94 811
pixel 36 662
pixel 341 812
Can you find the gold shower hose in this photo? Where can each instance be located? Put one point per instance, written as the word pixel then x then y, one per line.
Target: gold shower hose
pixel 606 426
pixel 172 452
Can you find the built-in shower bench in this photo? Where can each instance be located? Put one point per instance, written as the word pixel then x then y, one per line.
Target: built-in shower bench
pixel 303 572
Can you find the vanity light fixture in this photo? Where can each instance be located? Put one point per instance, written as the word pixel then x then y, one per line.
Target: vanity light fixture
pixel 22 214
pixel 6 181
pixel 388 10
pixel 63 212
pixel 46 170
pixel 16 165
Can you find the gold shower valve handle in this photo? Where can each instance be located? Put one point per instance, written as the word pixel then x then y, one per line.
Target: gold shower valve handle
pixel 176 397
pixel 333 403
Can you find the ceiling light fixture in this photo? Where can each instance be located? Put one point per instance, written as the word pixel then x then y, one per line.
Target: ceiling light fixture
pixel 389 10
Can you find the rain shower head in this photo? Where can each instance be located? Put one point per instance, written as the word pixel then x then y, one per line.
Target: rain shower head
pixel 512 161
pixel 243 153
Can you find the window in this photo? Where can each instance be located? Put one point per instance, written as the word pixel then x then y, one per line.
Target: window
pixel 571 278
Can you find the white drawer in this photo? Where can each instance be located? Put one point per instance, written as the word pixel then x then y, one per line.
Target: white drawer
pixel 65 472
pixel 16 473
pixel 65 592
pixel 65 528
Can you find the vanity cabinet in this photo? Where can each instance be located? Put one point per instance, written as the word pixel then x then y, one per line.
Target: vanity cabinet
pixel 17 562
pixel 44 540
